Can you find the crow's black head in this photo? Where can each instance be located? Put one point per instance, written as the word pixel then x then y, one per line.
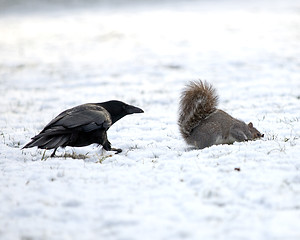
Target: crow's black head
pixel 118 109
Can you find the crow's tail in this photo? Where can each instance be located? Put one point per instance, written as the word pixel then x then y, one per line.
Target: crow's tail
pixel 48 142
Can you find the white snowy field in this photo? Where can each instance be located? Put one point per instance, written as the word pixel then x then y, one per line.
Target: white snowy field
pixel 157 188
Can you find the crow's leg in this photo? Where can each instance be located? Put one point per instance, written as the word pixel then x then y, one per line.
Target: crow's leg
pixel 107 147
pixel 53 154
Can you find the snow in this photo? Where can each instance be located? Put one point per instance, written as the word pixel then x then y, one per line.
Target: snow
pixel 158 187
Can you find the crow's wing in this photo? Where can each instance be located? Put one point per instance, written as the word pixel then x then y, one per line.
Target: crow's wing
pixel 86 117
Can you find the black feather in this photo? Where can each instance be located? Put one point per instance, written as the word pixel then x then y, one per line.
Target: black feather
pixel 57 141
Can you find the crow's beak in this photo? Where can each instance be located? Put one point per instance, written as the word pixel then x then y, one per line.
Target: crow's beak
pixel 132 109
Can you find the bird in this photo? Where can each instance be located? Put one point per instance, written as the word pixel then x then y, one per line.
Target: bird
pixel 82 125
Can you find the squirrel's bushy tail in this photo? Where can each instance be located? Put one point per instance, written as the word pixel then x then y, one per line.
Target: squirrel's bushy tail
pixel 198 100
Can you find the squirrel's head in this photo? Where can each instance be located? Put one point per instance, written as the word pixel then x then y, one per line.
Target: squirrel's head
pixel 254 132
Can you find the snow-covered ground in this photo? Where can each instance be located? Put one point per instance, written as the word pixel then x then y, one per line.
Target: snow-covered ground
pixel 157 188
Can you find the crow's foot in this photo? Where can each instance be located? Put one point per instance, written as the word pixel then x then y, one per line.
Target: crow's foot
pixel 117 150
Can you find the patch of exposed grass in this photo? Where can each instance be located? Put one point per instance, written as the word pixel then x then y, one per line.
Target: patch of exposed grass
pixel 101 158
pixel 74 155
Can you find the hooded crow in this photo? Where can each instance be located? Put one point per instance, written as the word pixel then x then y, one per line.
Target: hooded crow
pixel 82 125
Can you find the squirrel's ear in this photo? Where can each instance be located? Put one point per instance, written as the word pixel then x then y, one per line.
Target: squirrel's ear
pixel 250 124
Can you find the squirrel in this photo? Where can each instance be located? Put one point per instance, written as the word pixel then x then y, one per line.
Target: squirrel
pixel 202 125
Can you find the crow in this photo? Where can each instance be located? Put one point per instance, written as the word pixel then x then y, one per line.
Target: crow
pixel 82 125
